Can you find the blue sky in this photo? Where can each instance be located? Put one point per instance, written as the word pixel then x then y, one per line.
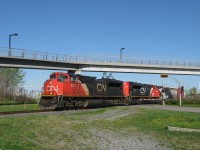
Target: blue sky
pixel 156 28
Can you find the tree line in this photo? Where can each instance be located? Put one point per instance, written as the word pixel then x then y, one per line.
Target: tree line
pixel 11 81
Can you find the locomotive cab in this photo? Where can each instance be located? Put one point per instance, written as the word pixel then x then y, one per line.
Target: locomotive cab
pixel 54 85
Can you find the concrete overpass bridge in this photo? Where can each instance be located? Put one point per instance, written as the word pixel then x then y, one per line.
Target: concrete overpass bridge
pixel 20 58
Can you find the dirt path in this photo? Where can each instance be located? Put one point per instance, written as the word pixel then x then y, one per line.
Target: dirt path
pixel 109 140
pixel 105 139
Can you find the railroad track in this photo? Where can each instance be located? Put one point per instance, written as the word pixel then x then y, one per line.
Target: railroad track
pixel 23 112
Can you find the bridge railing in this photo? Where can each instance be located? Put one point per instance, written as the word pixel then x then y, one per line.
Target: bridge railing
pixel 45 56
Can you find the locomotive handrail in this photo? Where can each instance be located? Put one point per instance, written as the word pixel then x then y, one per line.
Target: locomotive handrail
pixel 38 55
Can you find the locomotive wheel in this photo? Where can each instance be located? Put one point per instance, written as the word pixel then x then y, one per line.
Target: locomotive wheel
pixel 138 102
pixel 126 103
pixel 79 104
pixel 67 104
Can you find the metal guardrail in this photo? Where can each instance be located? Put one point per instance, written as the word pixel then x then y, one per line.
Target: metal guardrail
pixel 37 55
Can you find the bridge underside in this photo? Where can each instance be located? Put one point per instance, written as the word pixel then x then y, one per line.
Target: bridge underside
pixel 97 67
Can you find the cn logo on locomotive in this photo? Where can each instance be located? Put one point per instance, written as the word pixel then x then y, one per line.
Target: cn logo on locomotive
pixel 50 88
pixel 101 87
pixel 142 90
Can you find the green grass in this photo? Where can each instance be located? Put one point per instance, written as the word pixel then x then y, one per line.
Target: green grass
pixel 154 122
pixel 18 107
pixel 45 132
pixel 69 131
pixel 20 133
pixel 18 101
pixel 185 105
pixel 189 105
pixel 185 102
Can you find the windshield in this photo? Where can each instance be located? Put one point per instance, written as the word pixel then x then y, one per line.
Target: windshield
pixel 62 78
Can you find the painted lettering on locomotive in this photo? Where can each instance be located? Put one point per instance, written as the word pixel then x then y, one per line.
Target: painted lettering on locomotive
pixel 101 87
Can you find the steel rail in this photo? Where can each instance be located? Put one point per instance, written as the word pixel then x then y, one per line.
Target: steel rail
pixel 23 112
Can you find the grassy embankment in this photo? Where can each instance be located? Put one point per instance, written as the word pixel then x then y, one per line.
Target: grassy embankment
pixel 73 131
pixel 18 107
pixel 185 102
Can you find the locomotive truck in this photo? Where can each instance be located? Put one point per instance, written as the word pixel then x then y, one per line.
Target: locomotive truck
pixel 65 90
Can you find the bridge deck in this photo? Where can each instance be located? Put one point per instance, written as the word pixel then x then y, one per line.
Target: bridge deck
pixel 40 60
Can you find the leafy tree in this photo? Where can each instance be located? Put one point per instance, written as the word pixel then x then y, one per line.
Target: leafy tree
pixel 192 91
pixel 10 79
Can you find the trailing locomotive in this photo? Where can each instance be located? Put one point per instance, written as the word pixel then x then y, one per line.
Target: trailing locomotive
pixel 65 90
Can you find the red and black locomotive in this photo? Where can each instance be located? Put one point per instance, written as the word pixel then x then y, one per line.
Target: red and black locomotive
pixel 65 90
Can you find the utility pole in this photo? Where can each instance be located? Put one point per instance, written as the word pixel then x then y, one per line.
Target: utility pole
pixel 120 58
pixel 10 50
pixel 180 88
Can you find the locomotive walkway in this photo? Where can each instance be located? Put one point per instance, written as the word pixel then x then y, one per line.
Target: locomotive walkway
pixel 21 58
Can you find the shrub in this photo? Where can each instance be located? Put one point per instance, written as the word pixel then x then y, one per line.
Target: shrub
pixel 184 101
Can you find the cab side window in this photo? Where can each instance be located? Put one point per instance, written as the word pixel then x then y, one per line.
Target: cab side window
pixel 73 79
pixel 65 77
pixel 60 79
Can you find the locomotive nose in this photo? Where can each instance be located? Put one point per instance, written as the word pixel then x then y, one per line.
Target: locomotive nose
pixel 48 87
